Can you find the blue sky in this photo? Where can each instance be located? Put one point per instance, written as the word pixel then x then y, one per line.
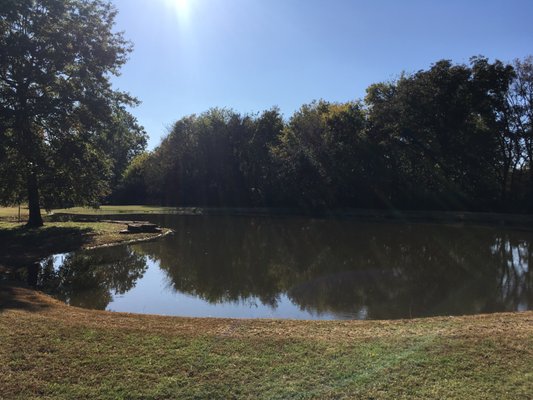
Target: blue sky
pixel 250 55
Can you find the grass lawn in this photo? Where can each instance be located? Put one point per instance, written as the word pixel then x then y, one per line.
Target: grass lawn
pixel 112 210
pixel 50 350
pixel 11 213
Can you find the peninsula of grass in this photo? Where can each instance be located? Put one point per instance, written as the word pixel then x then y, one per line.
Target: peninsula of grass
pixel 53 351
pixel 20 245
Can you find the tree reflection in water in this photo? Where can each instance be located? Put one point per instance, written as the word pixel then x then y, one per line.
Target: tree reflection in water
pixel 345 268
pixel 87 278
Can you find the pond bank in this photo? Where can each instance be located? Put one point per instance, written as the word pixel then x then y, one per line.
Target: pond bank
pixel 51 350
pixel 21 246
pixel 57 351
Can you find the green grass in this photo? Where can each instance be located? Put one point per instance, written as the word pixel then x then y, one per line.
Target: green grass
pixel 11 213
pixel 112 210
pixel 62 352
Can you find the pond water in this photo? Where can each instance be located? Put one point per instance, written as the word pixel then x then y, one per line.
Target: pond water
pixel 302 268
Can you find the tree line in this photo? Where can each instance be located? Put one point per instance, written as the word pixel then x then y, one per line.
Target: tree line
pixel 452 137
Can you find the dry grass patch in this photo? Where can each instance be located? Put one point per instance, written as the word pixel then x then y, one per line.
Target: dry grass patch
pixel 56 351
pixel 12 213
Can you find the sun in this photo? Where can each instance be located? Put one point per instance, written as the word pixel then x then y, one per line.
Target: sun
pixel 181 8
pixel 181 5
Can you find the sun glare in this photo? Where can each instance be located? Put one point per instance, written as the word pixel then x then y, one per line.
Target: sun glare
pixel 181 8
pixel 181 5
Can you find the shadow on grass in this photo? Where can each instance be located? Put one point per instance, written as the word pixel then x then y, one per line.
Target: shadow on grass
pixel 20 246
pixel 15 297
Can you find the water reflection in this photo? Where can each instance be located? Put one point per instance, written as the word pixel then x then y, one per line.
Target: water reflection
pixel 323 268
pixel 90 278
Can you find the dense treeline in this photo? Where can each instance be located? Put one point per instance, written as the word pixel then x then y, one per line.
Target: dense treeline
pixel 453 137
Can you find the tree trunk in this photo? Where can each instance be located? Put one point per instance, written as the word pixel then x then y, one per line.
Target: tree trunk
pixel 35 219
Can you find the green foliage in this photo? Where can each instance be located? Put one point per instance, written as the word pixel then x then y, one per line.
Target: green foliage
pixel 440 129
pixel 452 137
pixel 520 124
pixel 213 159
pixel 12 184
pixel 122 140
pixel 133 183
pixel 320 154
pixel 63 130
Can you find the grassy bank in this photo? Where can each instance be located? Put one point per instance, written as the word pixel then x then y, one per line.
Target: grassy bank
pixel 20 245
pixel 54 351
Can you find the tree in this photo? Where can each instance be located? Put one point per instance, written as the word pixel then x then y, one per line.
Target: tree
pixel 133 186
pixel 217 158
pixel 256 161
pixel 56 60
pixel 520 102
pixel 320 156
pixel 123 140
pixel 442 135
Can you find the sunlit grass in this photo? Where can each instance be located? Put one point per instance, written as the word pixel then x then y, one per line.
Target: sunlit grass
pixel 12 213
pixel 55 351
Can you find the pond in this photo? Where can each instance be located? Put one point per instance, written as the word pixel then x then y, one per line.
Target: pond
pixel 302 268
